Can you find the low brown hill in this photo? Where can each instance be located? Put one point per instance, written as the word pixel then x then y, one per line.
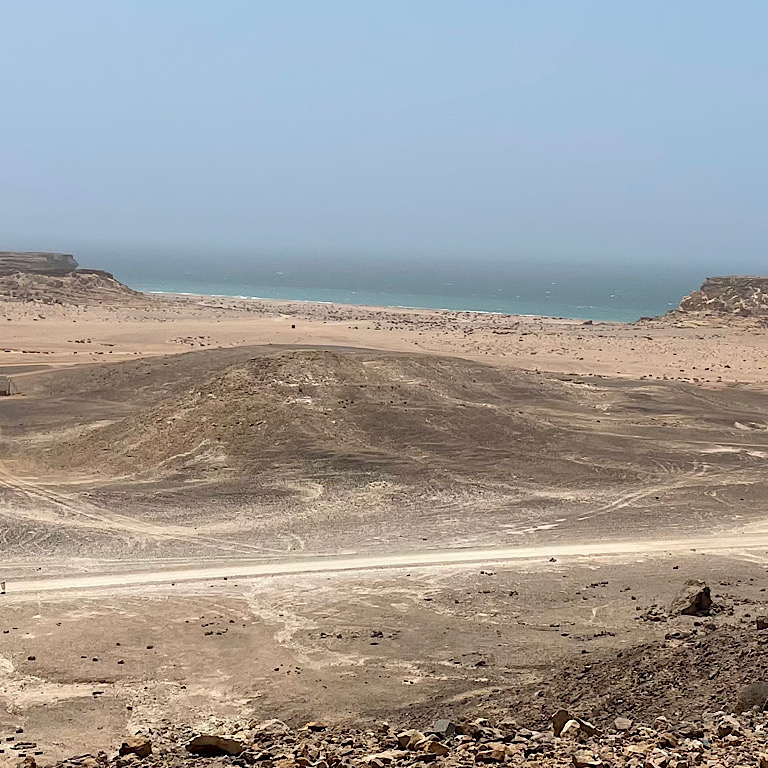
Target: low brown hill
pixel 344 447
pixel 333 413
pixel 350 416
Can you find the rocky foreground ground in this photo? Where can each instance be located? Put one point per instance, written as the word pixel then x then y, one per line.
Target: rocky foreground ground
pixel 517 734
pixel 714 739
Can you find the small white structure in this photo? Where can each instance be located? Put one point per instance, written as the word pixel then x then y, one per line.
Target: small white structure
pixel 7 387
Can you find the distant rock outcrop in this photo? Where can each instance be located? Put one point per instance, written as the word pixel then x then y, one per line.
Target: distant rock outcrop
pixel 739 296
pixel 54 278
pixel 36 262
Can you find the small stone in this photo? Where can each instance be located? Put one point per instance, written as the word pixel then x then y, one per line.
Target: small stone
pixel 562 717
pixel 270 727
pixel 495 752
pixel 667 739
pixel 381 759
pixel 622 723
pixel 443 728
pixel 410 738
pixel 436 748
pixel 559 719
pixel 571 730
pixel 726 726
pixel 136 745
pixel 761 622
pixel 585 759
pixel 588 728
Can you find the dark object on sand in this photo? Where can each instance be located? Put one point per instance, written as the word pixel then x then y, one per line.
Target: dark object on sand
pixel 693 599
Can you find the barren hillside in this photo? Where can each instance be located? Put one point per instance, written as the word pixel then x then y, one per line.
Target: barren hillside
pixel 330 447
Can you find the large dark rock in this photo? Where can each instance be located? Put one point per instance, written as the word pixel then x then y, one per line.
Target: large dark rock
pixel 694 599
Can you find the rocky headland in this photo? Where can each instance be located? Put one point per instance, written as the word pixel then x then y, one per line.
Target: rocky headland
pixel 735 295
pixel 55 278
pixel 36 262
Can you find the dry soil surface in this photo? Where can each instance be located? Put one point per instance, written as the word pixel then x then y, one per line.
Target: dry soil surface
pixel 371 515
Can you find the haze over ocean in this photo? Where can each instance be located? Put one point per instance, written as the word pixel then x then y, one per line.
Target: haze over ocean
pixel 561 158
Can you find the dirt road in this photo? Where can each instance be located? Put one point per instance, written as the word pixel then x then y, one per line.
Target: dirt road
pixel 752 546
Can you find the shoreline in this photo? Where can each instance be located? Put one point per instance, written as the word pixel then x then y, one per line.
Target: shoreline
pixel 128 326
pixel 278 300
pixel 376 308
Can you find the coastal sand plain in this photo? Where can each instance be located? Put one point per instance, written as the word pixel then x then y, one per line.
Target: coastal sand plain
pixel 688 349
pixel 215 510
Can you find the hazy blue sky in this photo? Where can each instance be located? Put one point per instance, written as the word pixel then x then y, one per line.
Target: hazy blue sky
pixel 582 129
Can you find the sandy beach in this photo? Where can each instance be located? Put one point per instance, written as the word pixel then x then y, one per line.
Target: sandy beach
pixel 37 335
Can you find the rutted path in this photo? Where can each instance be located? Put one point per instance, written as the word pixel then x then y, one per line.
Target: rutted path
pixel 51 506
pixel 737 544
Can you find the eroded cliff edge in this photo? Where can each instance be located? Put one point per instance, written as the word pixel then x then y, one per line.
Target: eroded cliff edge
pixel 736 295
pixel 55 278
pixel 36 262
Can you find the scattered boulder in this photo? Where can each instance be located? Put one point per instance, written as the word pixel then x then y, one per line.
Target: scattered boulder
pixel 495 752
pixel 214 746
pixel 381 759
pixel 761 622
pixel 443 729
pixel 585 759
pixel 751 696
pixel 694 599
pixel 136 745
pixel 563 718
pixel 410 739
pixel 718 740
pixel 622 724
pixel 435 748
pixel 727 725
pixel 571 730
pixel 559 719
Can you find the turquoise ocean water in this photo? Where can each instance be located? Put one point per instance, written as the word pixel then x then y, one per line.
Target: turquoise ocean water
pixel 597 292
